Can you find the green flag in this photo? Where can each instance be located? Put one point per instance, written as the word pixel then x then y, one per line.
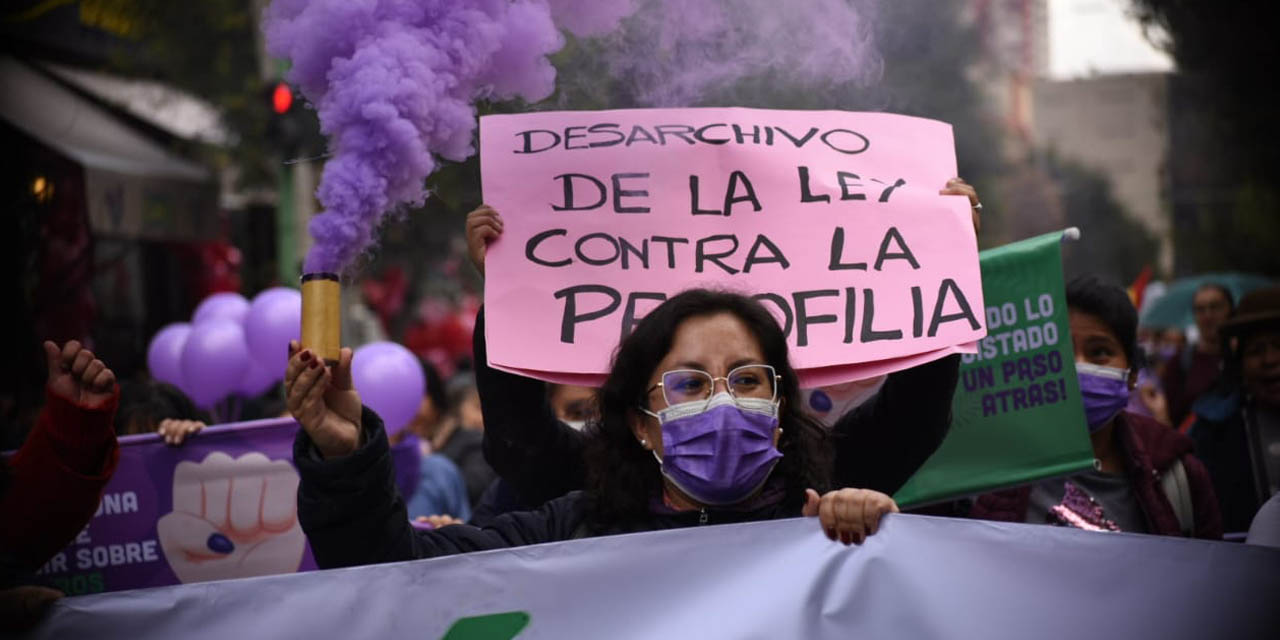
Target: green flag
pixel 1017 415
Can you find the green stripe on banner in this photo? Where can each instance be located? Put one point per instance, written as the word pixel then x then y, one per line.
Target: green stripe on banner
pixel 1016 416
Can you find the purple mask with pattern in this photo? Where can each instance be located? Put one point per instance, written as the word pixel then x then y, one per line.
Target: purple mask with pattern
pixel 1105 391
pixel 719 452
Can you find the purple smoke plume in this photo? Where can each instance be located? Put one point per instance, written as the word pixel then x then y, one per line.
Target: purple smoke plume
pixel 676 52
pixel 394 81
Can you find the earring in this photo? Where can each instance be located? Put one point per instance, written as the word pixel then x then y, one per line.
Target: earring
pixel 644 443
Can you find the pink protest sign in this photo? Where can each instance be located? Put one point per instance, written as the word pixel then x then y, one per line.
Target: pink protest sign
pixel 831 219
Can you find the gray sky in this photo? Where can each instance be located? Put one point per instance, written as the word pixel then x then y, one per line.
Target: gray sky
pixel 1088 36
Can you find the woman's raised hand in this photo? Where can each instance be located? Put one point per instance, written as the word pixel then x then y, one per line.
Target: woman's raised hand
pixel 77 375
pixel 958 187
pixel 323 400
pixel 848 515
pixel 484 225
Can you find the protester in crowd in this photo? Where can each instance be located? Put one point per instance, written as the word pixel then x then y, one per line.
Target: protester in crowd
pixel 1147 480
pixel 1237 425
pixel 460 436
pixel 51 487
pixel 541 458
pixel 1148 398
pixel 704 372
pixel 1193 370
pixel 156 407
pixel 573 404
pixel 433 408
pixel 440 490
pixel 576 407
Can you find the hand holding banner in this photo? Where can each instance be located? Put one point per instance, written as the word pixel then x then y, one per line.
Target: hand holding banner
pixel 831 219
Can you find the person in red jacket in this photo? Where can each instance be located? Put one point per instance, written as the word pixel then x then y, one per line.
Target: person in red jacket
pixel 1147 480
pixel 51 487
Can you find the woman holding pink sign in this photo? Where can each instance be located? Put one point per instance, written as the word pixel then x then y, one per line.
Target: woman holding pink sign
pixel 700 424
pixel 878 444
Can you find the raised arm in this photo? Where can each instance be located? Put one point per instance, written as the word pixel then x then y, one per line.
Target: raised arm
pixel 353 514
pixel 66 461
pixel 882 442
pixel 538 456
pixel 348 503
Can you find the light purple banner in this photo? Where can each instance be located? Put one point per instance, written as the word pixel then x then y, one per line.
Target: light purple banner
pixel 919 577
pixel 222 505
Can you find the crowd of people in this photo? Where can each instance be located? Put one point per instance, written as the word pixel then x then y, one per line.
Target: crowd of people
pixel 700 421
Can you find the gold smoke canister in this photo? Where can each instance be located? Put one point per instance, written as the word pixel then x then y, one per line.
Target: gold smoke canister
pixel 322 315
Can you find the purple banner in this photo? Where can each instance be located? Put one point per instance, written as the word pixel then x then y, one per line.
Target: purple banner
pixel 222 505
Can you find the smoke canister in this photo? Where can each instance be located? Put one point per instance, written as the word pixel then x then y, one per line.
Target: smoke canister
pixel 321 315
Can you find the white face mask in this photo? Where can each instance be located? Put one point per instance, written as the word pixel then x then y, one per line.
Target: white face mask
pixel 577 425
pixel 685 409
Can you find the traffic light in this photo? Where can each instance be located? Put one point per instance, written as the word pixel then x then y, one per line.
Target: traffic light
pixel 285 128
pixel 281 98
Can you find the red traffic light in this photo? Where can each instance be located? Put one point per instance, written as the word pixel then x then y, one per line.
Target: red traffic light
pixel 282 98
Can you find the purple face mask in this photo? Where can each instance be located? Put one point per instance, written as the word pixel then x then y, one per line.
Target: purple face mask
pixel 1105 391
pixel 719 452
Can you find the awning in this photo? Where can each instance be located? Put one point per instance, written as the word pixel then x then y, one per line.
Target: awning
pixel 134 186
pixel 158 104
pixel 84 132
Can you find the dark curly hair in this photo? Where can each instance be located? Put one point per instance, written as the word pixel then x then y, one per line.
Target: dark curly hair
pixel 623 476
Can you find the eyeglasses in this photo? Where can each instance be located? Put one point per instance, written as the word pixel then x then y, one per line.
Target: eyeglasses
pixel 691 385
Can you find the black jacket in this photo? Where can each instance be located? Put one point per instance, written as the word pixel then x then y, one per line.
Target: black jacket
pixel 353 514
pixel 879 445
pixel 1221 440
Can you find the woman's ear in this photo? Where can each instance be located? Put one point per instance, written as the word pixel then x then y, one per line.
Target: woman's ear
pixel 1133 378
pixel 639 428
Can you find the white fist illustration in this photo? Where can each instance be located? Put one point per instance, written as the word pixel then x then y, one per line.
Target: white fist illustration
pixel 232 519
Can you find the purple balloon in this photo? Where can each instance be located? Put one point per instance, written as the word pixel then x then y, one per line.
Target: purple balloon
pixel 390 381
pixel 257 379
pixel 214 360
pixel 274 318
pixel 232 306
pixel 164 355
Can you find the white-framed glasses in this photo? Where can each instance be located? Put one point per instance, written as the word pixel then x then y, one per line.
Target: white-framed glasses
pixel 756 381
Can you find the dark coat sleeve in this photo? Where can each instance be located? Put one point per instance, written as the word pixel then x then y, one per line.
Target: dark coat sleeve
pixel 496 500
pixel 352 512
pixel 883 441
pixel 538 456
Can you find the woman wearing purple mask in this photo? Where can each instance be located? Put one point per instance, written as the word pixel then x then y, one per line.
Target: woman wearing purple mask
pixel 701 423
pixel 877 444
pixel 1146 480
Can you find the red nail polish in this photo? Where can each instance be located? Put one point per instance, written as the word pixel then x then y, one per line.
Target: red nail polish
pixel 315 363
pixel 306 355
